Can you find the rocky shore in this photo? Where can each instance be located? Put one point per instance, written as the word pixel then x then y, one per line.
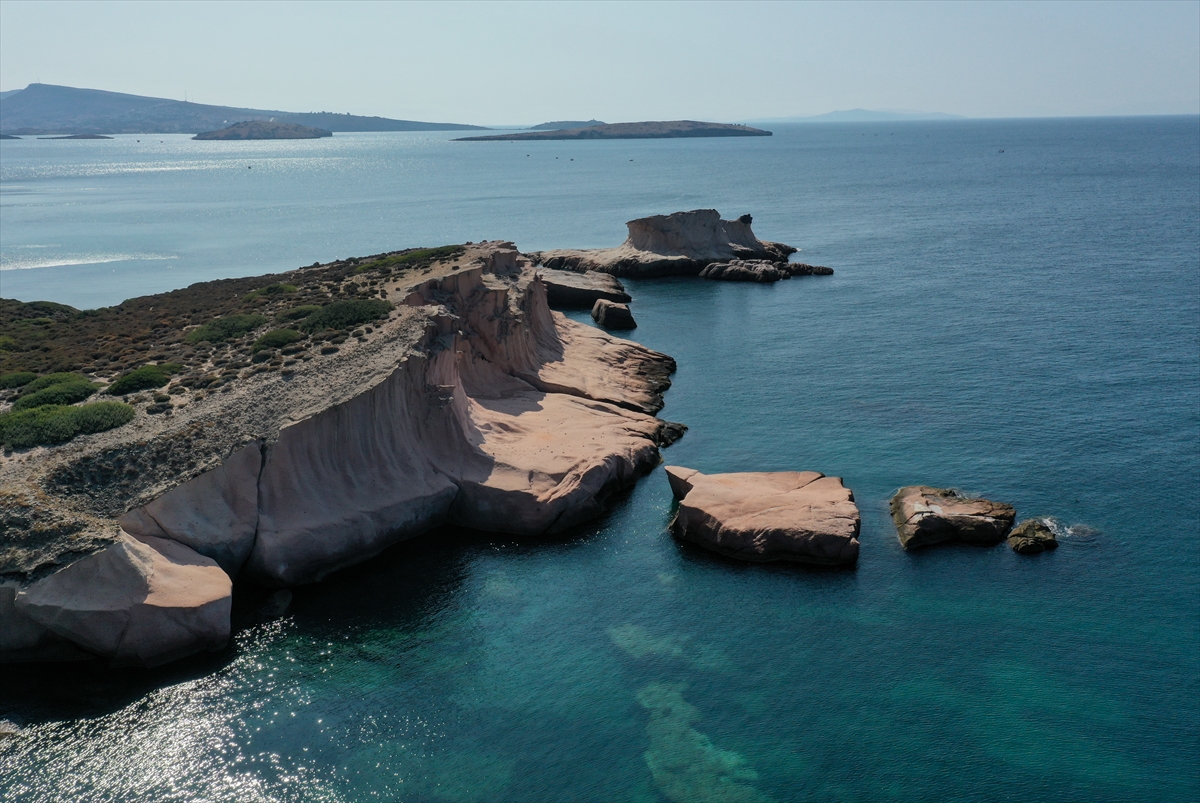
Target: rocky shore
pixel 468 401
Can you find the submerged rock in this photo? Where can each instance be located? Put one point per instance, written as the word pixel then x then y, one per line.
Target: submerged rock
pixel 926 516
pixel 613 316
pixel 800 516
pixel 682 243
pixel 1031 537
pixel 570 290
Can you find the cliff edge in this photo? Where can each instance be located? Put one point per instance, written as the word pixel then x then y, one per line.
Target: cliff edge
pixel 465 401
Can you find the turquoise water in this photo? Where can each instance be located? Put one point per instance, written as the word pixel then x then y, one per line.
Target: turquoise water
pixel 1024 325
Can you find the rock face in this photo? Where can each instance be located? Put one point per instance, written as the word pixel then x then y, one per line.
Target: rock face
pixel 682 243
pixel 611 315
pixel 925 516
pixel 137 602
pixel 569 290
pixel 800 516
pixel 474 404
pixel 760 270
pixel 1031 537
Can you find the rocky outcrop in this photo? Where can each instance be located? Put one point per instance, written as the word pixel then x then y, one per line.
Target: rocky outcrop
pixel 569 290
pixel 925 516
pixel 139 602
pixel 682 243
pixel 760 270
pixel 799 516
pixel 611 315
pixel 474 404
pixel 1031 537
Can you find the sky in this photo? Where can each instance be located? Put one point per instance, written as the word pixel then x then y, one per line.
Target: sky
pixel 521 63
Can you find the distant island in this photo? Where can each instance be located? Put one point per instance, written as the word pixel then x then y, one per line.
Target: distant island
pixel 561 124
pixel 76 136
pixel 259 129
pixel 646 130
pixel 49 109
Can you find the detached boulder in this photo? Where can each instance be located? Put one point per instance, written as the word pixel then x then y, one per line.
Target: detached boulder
pixel 137 602
pixel 611 315
pixel 1031 537
pixel 926 516
pixel 800 516
pixel 570 290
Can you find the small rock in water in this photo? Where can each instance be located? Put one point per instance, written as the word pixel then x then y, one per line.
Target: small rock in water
pixel 611 315
pixel 926 516
pixel 1031 537
pixel 8 728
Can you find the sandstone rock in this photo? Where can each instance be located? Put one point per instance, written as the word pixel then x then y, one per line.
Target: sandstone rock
pixel 215 514
pixel 745 270
pixel 139 602
pixel 682 243
pixel 800 516
pixel 1031 537
pixel 613 316
pixel 926 516
pixel 570 290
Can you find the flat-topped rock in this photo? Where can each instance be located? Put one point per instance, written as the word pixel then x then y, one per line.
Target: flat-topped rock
pixel 799 516
pixel 925 516
pixel 611 315
pixel 682 243
pixel 1031 537
pixel 570 290
pixel 745 270
pixel 137 602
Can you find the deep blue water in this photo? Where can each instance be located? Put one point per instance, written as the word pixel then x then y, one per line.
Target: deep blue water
pixel 1023 325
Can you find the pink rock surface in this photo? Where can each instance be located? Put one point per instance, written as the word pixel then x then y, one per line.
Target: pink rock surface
pixel 139 602
pixel 800 516
pixel 925 516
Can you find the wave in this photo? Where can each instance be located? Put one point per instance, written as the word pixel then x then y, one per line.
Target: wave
pixel 38 261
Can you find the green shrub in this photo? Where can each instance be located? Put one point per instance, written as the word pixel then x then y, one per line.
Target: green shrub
pixel 276 339
pixel 144 378
pixel 345 314
pixel 420 255
pixel 296 313
pixel 66 389
pixel 15 379
pixel 277 289
pixel 46 426
pixel 221 329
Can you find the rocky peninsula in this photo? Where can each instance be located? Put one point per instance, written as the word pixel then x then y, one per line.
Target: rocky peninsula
pixel 283 427
pixel 672 129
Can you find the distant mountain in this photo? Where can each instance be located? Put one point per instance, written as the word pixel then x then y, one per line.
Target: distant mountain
pixel 864 116
pixel 49 109
pixel 563 124
pixel 673 129
pixel 9 93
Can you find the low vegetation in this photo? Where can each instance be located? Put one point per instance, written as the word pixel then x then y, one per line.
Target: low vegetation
pixel 55 389
pixel 298 313
pixel 53 424
pixel 276 339
pixel 225 328
pixel 423 256
pixel 346 314
pixel 144 378
pixel 277 289
pixel 16 379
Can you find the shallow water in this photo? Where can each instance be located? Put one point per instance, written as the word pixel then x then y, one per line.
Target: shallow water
pixel 1024 325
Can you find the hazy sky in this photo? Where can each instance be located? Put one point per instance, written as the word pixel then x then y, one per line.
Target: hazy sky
pixel 497 62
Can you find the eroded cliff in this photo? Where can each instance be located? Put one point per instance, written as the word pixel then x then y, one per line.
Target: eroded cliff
pixel 471 403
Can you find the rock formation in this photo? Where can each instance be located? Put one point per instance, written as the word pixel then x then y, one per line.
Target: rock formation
pixel 800 516
pixel 682 243
pixel 1031 537
pixel 926 516
pixel 760 270
pixel 611 315
pixel 569 290
pixel 473 404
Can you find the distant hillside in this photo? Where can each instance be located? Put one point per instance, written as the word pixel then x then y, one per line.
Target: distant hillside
pixel 49 109
pixel 262 129
pixel 647 130
pixel 561 124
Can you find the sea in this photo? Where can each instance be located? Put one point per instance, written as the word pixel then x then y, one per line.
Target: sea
pixel 1015 312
